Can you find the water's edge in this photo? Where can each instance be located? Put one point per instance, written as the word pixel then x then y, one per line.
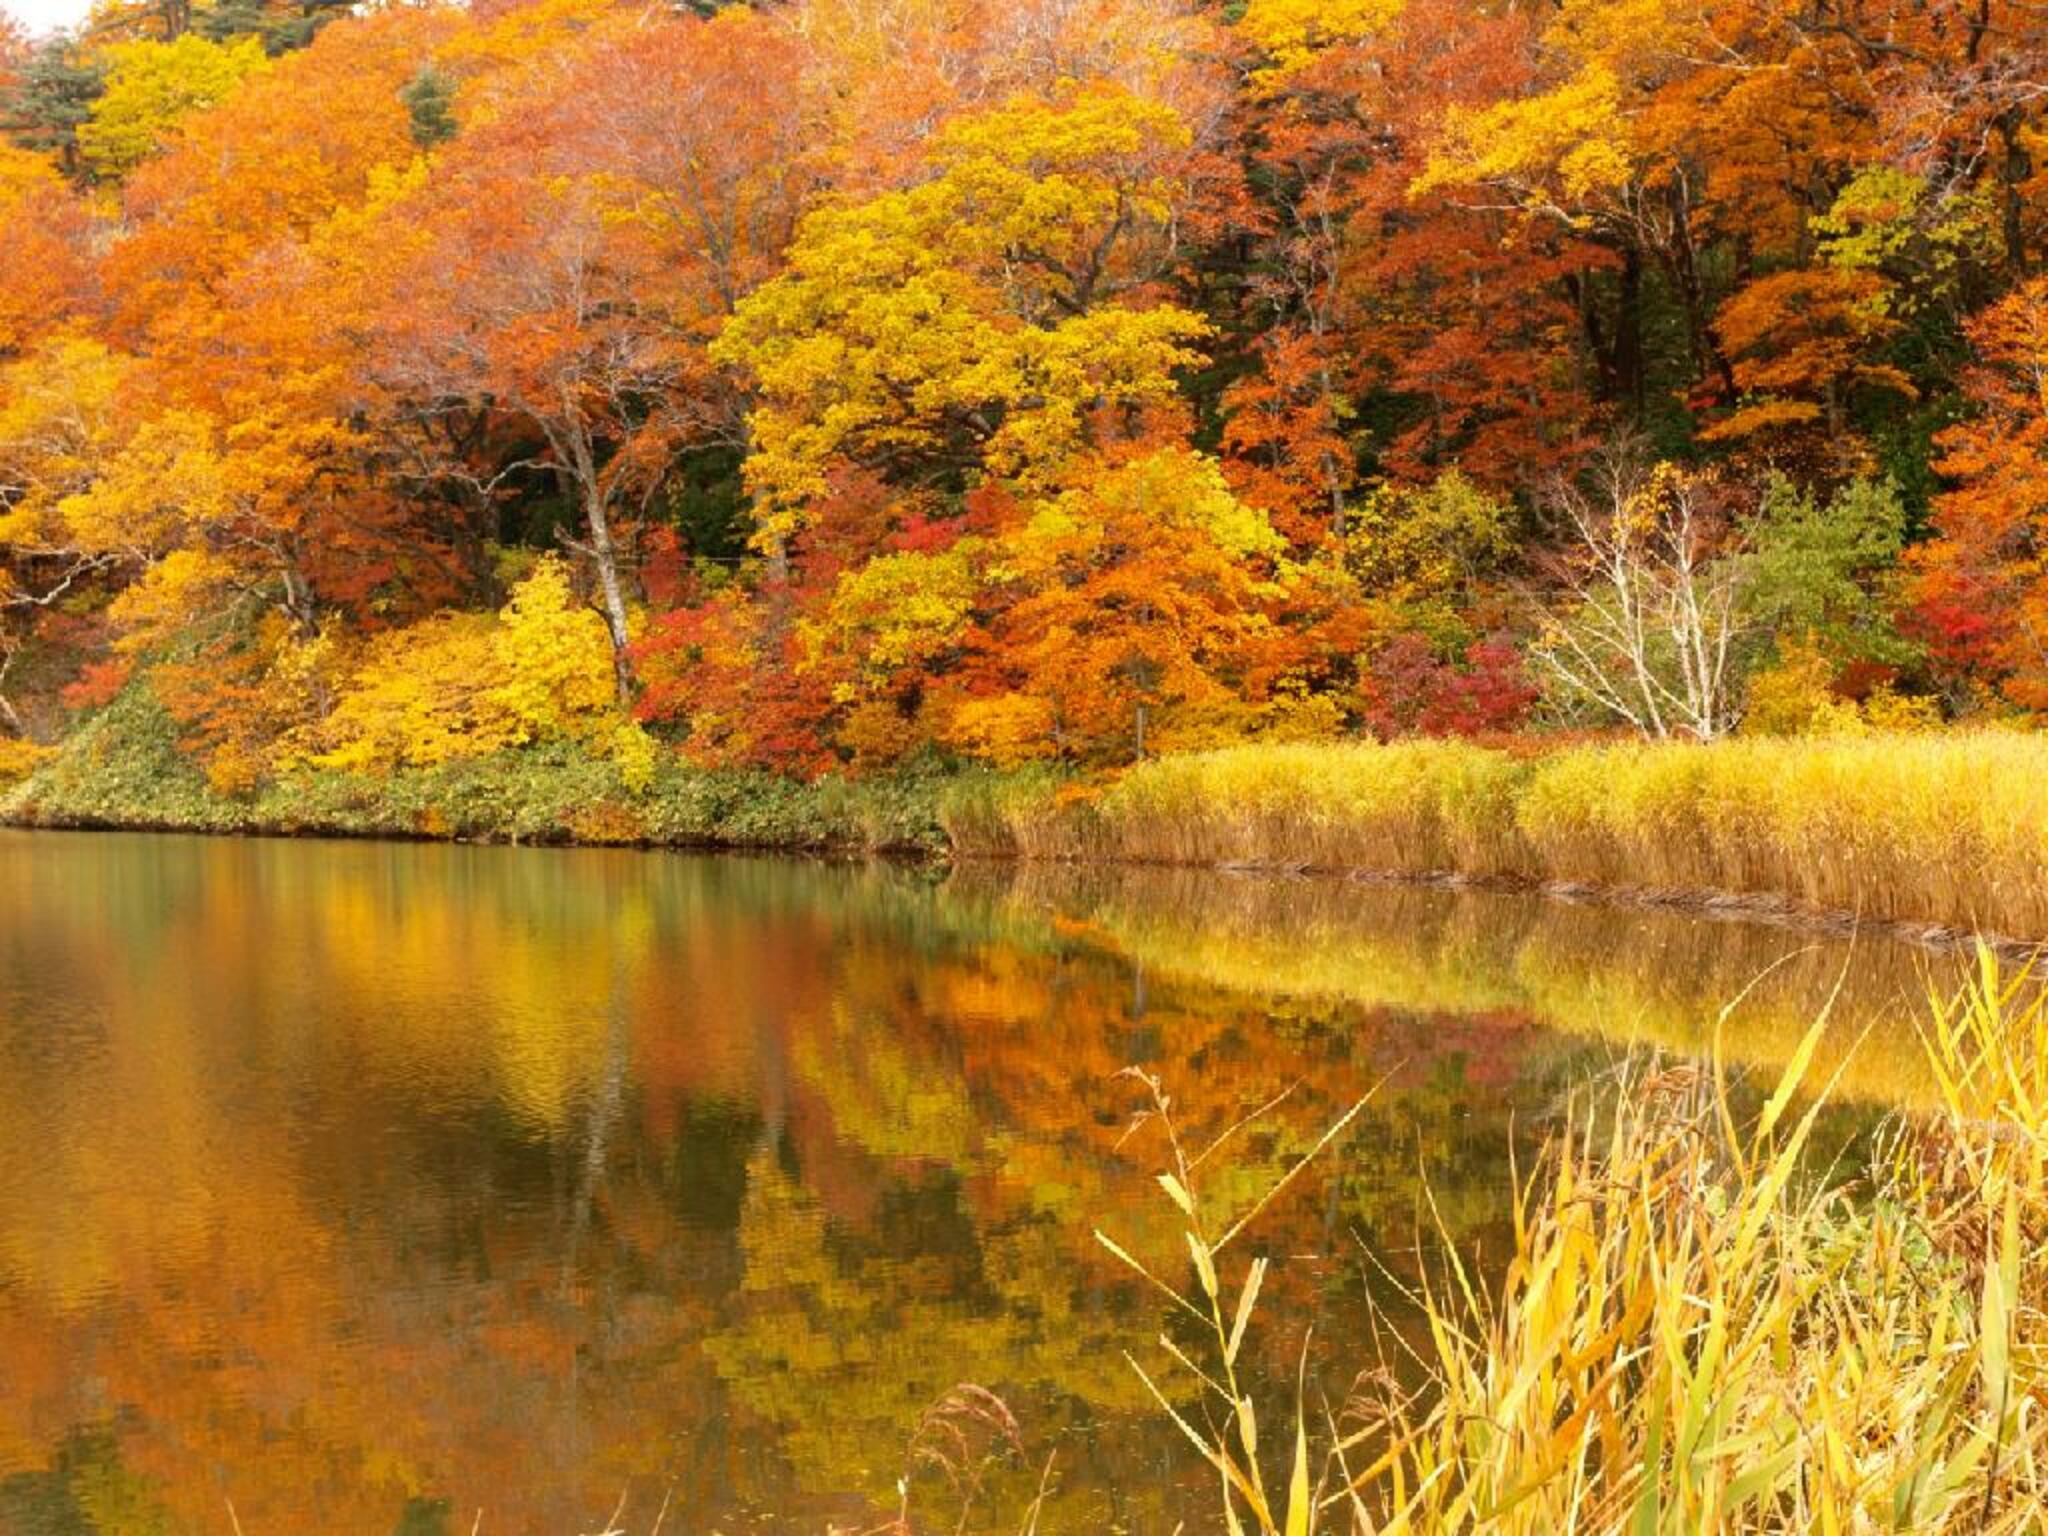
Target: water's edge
pixel 1762 907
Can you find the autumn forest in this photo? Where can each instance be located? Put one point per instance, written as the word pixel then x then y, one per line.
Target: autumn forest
pixel 842 385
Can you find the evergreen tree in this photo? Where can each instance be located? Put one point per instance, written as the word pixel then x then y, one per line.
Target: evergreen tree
pixel 57 89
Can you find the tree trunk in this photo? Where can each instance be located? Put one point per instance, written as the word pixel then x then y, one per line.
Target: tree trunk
pixel 1628 332
pixel 573 448
pixel 9 717
pixel 1708 359
pixel 1333 472
pixel 2015 173
pixel 298 604
pixel 605 556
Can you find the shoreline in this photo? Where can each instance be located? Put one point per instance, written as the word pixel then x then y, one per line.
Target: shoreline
pixel 1763 908
pixel 1756 907
pixel 1936 837
pixel 340 832
pixel 1939 839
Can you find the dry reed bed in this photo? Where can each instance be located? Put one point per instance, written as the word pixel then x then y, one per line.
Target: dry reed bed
pixel 1947 829
pixel 1701 1330
pixel 1697 1335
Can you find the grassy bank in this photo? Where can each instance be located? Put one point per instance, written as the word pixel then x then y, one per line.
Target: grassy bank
pixel 1938 830
pixel 1946 830
pixel 124 769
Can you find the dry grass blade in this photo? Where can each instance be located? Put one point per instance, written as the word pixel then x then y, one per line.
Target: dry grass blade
pixel 1699 1331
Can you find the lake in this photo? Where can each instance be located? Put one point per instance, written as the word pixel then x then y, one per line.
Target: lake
pixel 378 1188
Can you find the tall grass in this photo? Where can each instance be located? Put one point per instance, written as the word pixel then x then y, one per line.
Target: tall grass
pixel 1699 1332
pixel 1938 829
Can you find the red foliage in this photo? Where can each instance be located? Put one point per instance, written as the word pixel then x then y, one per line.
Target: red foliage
pixel 1410 689
pixel 727 669
pixel 97 683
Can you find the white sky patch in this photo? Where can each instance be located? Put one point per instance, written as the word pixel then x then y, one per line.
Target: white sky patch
pixel 41 16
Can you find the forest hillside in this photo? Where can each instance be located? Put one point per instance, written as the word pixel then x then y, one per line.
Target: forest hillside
pixel 840 386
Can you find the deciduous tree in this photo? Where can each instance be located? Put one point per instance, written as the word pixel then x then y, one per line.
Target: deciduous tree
pixel 1981 586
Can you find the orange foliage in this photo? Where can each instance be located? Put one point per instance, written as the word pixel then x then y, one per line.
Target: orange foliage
pixel 826 340
pixel 1981 585
pixel 1130 617
pixel 1802 343
pixel 46 232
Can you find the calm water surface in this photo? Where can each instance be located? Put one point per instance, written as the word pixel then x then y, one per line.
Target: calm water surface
pixel 360 1188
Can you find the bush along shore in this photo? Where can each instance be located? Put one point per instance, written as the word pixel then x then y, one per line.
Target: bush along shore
pixel 125 769
pixel 1928 831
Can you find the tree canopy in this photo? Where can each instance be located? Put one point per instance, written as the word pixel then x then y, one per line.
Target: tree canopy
pixel 1046 381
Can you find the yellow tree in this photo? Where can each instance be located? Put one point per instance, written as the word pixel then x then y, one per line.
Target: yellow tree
pixel 461 685
pixel 991 321
pixel 151 86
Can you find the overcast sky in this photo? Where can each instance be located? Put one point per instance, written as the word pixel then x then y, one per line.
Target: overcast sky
pixel 46 15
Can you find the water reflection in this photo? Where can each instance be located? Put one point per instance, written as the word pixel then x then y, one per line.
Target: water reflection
pixel 1630 976
pixel 361 1187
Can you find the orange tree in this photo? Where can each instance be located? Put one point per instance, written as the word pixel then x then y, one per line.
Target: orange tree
pixel 1981 586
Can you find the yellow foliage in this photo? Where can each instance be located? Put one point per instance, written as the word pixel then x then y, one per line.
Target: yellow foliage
pixel 167 595
pixel 553 659
pixel 1887 710
pixel 165 480
pixel 1796 697
pixel 901 610
pixel 1049 177
pixel 1419 546
pixel 904 316
pixel 62 413
pixel 1005 729
pixel 1569 144
pixel 1887 218
pixel 151 86
pixel 22 172
pixel 19 759
pixel 633 753
pixel 414 699
pixel 465 685
pixel 1296 715
pixel 1632 39
pixel 1176 488
pixel 1292 32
